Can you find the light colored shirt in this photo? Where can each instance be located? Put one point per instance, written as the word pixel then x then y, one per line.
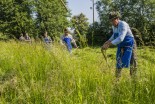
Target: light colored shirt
pixel 68 36
pixel 67 40
pixel 21 38
pixel 47 39
pixel 122 30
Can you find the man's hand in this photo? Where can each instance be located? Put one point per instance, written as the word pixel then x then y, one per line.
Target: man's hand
pixel 106 45
pixel 75 45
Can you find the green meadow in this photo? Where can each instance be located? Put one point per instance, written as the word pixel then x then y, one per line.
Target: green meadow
pixel 33 74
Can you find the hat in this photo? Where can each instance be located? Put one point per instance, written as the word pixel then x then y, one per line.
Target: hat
pixel 114 15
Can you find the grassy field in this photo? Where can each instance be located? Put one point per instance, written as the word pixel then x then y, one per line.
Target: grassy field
pixel 33 74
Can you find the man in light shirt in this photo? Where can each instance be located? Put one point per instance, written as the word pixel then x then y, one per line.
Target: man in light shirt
pixel 67 39
pixel 123 38
pixel 47 38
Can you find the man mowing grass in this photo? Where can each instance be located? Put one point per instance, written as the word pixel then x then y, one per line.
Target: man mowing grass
pixel 123 38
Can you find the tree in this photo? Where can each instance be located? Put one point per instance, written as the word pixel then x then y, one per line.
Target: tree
pixel 139 14
pixel 16 17
pixel 100 35
pixel 32 16
pixel 80 24
pixel 50 16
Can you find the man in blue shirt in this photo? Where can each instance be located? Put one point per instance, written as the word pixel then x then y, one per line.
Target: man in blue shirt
pixel 124 40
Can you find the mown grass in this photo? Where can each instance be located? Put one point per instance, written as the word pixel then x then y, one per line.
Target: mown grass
pixel 33 74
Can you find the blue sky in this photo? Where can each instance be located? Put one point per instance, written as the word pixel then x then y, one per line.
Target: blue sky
pixel 82 6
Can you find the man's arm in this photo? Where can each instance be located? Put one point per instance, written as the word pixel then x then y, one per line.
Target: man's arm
pixel 73 41
pixel 122 34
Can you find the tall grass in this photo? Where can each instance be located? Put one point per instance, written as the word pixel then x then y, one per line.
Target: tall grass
pixel 33 74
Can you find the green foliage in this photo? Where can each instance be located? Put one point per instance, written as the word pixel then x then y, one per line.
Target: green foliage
pixel 80 24
pixel 100 31
pixel 33 17
pixel 138 13
pixel 16 17
pixel 98 35
pixel 50 16
pixel 137 36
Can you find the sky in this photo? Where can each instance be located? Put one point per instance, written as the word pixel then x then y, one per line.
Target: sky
pixel 83 6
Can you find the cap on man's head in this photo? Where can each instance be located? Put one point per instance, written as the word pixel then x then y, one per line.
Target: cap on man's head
pixel 114 15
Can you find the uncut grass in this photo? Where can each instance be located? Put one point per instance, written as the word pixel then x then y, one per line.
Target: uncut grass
pixel 31 73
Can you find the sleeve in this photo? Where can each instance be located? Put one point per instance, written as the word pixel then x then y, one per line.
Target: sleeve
pixel 122 34
pixel 73 41
pixel 71 37
pixel 112 37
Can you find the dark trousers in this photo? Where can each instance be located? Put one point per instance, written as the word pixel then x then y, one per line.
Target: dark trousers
pixel 133 62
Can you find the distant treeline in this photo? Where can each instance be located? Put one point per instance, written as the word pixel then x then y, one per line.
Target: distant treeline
pixel 140 14
pixel 36 16
pixel 32 17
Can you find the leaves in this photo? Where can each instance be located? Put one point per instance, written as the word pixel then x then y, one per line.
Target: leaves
pixel 139 14
pixel 80 24
pixel 33 17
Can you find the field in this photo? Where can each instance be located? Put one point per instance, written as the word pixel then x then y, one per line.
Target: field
pixel 33 74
